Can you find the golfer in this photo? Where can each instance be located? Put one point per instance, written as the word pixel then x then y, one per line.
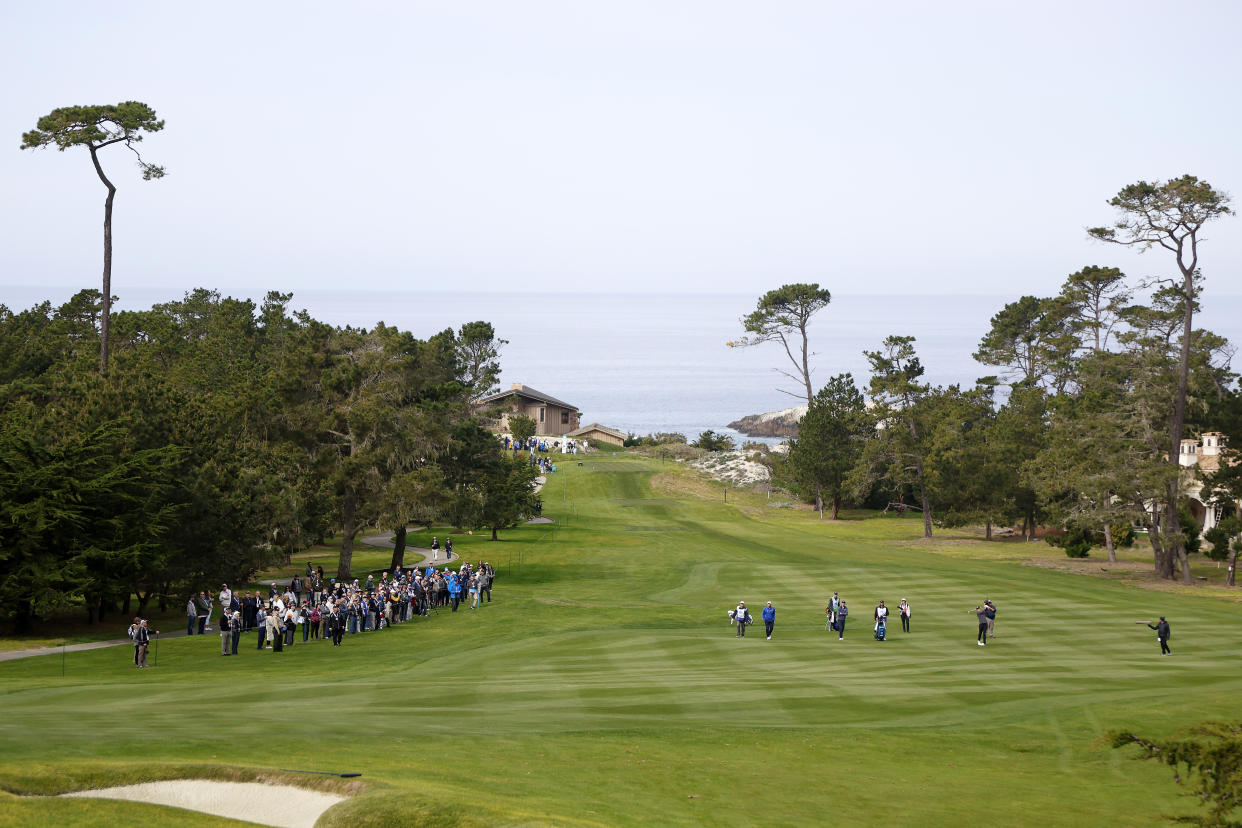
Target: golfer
pixel 981 614
pixel 904 609
pixel 842 612
pixel 769 619
pixel 1162 635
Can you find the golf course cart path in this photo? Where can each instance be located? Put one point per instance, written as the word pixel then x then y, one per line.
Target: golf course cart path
pixel 280 805
pixel 10 655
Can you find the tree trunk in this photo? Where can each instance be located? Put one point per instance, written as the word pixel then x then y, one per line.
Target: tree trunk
pixel 1161 558
pixel 348 530
pixel 1185 562
pixel 1172 529
pixel 125 605
pixel 1108 543
pixel 398 550
pixel 987 532
pixel 494 537
pixel 1031 520
pixel 105 315
pixel 1233 562
pixel 927 527
pixel 164 590
pixel 836 507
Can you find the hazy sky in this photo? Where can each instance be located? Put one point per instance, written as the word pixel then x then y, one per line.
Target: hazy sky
pixel 672 146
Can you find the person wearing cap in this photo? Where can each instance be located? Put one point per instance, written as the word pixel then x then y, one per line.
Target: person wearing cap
pixel 981 614
pixel 989 612
pixel 226 634
pixel 142 640
pixel 260 624
pixel 336 626
pixel 742 615
pixel 904 611
pixel 833 606
pixel 133 636
pixel 235 627
pixel 769 619
pixel 881 614
pixel 1162 635
pixel 842 613
pixel 191 616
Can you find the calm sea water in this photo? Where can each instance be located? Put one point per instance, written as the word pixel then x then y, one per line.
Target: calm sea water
pixel 646 363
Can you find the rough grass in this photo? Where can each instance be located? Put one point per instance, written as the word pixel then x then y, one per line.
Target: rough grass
pixel 605 687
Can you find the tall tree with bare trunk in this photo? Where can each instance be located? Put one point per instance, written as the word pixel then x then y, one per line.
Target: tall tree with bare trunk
pixel 1171 215
pixel 96 127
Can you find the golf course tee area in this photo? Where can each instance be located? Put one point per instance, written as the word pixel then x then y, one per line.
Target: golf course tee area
pixel 604 684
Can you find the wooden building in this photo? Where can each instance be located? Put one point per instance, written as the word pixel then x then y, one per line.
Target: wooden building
pixel 597 433
pixel 553 417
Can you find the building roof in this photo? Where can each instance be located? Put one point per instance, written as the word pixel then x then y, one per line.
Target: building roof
pixel 597 427
pixel 517 389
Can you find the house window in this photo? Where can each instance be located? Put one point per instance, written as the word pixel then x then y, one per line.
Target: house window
pixel 541 415
pixel 564 418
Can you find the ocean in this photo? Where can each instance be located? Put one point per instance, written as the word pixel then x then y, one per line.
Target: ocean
pixel 659 362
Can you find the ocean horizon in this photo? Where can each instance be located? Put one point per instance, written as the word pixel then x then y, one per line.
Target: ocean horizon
pixel 646 362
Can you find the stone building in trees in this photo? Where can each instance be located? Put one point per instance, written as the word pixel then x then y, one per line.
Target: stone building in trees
pixel 1197 458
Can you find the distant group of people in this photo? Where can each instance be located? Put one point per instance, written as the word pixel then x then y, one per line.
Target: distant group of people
pixel 837 612
pixel 332 610
pixel 534 444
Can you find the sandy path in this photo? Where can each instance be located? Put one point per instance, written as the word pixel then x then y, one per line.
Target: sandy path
pixel 280 805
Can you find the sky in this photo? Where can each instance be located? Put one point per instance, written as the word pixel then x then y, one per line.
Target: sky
pixel 681 147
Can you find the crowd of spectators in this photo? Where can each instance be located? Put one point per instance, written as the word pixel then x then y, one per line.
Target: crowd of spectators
pixel 331 610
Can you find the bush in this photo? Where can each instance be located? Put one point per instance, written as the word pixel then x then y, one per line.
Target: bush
pixel 1077 541
pixel 675 451
pixel 658 438
pixel 711 441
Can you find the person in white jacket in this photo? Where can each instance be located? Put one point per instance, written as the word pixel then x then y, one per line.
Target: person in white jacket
pixel 904 609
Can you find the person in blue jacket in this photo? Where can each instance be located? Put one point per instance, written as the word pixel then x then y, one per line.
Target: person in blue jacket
pixel 454 589
pixel 842 612
pixel 769 618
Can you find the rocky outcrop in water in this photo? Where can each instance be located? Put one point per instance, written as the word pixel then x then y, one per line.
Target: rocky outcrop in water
pixel 782 423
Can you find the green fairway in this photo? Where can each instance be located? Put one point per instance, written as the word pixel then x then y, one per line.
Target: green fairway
pixel 604 685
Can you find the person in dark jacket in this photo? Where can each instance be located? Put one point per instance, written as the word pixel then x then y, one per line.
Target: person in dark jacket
pixel 769 619
pixel 1162 635
pixel 842 613
pixel 336 627
pixel 982 615
pixel 235 629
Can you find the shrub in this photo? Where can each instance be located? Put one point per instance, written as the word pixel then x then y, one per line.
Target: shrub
pixel 1077 540
pixel 711 441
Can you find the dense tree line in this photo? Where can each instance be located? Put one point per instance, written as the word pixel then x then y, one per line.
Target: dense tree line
pixel 225 436
pixel 1080 427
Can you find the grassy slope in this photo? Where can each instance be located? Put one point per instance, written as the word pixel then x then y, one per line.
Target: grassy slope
pixel 604 686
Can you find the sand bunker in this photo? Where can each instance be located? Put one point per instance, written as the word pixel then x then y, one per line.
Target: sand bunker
pixel 281 805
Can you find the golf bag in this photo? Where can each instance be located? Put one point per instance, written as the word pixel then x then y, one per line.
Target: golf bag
pixel 880 631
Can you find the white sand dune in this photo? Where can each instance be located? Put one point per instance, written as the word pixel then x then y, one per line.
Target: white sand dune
pixel 285 806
